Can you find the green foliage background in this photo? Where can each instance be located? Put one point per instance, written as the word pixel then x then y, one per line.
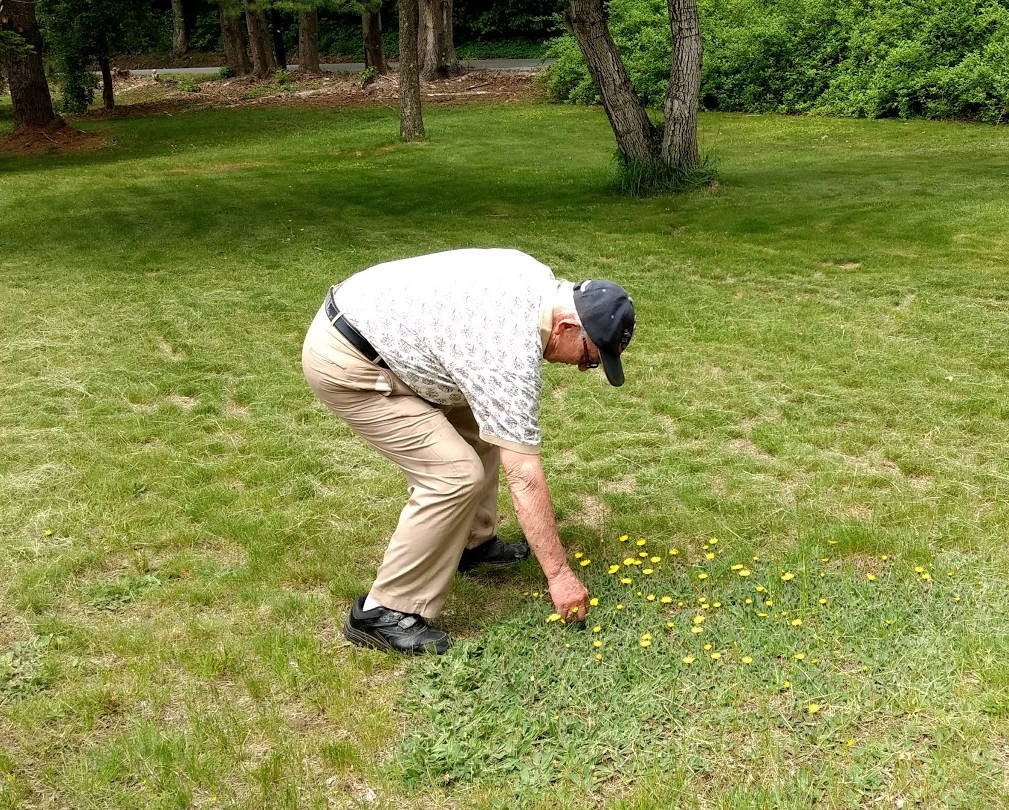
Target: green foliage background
pixel 872 58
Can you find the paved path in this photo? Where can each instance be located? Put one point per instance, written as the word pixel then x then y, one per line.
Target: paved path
pixel 357 67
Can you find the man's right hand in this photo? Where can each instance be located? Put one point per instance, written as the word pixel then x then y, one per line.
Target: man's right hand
pixel 568 592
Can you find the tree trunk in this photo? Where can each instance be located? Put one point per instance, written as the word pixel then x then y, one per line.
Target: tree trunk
pixel 308 42
pixel 636 137
pixel 411 122
pixel 279 51
pixel 236 55
pixel 679 130
pixel 33 104
pixel 436 47
pixel 371 25
pixel 108 99
pixel 180 42
pixel 263 62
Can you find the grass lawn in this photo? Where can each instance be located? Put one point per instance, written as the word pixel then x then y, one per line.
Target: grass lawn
pixel 818 381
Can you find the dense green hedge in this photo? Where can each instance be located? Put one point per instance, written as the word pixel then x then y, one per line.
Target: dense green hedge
pixel 937 59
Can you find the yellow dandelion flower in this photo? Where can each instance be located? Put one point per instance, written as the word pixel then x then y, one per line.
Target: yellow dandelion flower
pixel 736 567
pixel 666 600
pixel 768 602
pixel 699 619
pixel 585 562
pixel 647 571
pixel 654 559
pixel 641 554
pixel 599 656
pixel 787 576
pixel 650 597
pixel 822 574
pixel 673 552
pixel 680 604
pixel 870 577
pixel 645 643
pixel 646 636
pixel 747 660
pixel 747 601
pixel 786 685
pixel 713 541
pixel 688 659
pixel 696 630
pixel 670 625
pixel 49 532
pixel 536 594
pixel 639 593
pixel 884 557
pixel 613 569
pixel 629 561
pixel 823 600
pixel 745 572
pixel 626 580
pixel 865 668
pixel 715 656
pixel 850 742
pixel 553 617
pixel 814 660
pixel 710 555
pixel 620 607
pixel 641 542
pixel 956 598
pixel 800 656
pixel 578 555
pixel 888 621
pixel 594 601
pixel 717 604
pixel 707 646
pixel 824 559
pixel 831 542
pixel 574 609
pixel 796 622
pixel 756 558
pixel 623 538
pixel 926 576
pixel 702 575
pixel 813 708
pixel 919 570
pixel 598 628
pixel 762 615
pixel 760 589
pixel 597 643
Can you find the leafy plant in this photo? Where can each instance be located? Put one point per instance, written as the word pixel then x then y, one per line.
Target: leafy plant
pixel 283 77
pixel 188 84
pixel 225 72
pixel 368 75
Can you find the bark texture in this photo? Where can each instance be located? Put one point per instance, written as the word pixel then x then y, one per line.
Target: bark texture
pixel 374 53
pixel 236 54
pixel 308 42
pixel 108 98
pixel 33 104
pixel 679 108
pixel 436 47
pixel 263 60
pixel 411 122
pixel 636 137
pixel 180 42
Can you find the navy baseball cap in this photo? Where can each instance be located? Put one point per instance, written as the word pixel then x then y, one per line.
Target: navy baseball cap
pixel 607 315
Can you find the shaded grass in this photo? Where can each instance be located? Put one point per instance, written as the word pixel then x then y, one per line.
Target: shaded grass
pixel 818 357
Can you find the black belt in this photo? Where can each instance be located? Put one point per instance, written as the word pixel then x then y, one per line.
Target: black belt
pixel 356 339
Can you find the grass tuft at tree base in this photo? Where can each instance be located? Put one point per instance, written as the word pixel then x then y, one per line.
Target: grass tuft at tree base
pixel 646 178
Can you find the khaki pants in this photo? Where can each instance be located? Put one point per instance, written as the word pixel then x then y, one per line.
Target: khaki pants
pixel 452 476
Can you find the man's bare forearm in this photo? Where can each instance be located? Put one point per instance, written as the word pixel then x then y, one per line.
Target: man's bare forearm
pixel 535 511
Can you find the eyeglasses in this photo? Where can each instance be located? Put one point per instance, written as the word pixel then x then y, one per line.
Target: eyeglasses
pixel 586 361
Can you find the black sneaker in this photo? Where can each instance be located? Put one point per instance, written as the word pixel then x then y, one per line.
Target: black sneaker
pixel 392 631
pixel 493 552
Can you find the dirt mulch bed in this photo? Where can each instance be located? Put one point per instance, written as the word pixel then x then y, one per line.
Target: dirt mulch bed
pixel 142 95
pixel 57 137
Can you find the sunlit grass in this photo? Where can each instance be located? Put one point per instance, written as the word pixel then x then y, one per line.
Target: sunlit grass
pixel 819 357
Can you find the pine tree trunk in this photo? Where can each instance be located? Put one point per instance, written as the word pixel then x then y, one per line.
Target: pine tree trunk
pixel 374 54
pixel 679 131
pixel 26 79
pixel 263 62
pixel 636 137
pixel 436 47
pixel 180 42
pixel 236 55
pixel 108 98
pixel 411 122
pixel 279 51
pixel 308 42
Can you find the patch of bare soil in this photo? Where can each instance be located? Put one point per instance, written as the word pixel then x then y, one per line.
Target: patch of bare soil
pixel 143 95
pixel 57 137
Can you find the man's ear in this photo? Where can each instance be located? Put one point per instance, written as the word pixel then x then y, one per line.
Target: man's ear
pixel 567 325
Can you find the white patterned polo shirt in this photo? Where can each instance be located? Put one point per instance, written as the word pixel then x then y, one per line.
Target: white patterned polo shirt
pixel 462 327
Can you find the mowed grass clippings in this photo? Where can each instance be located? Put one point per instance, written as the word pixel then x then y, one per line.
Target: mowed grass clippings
pixel 818 358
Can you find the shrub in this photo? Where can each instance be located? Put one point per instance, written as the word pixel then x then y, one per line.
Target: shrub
pixel 847 57
pixel 283 76
pixel 225 72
